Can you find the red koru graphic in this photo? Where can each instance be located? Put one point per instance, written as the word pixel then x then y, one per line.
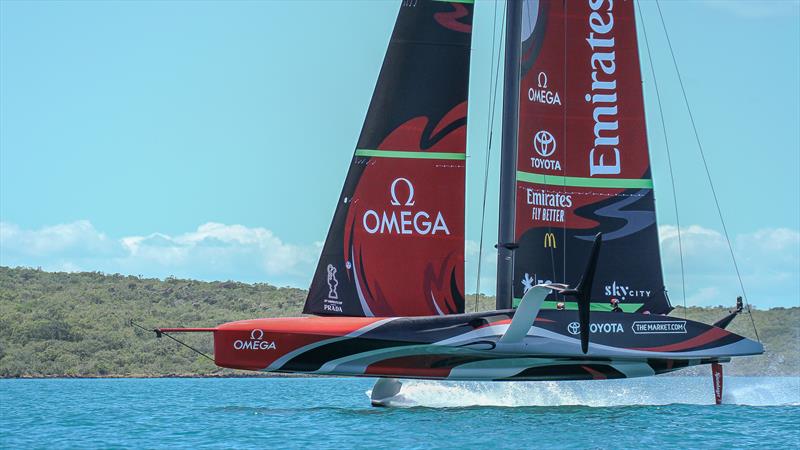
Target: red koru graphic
pixel 450 21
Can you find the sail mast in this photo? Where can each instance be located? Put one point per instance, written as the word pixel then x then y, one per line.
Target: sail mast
pixel 508 155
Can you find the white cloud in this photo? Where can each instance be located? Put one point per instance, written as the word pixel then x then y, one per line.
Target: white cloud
pixel 212 251
pixel 769 259
pixel 224 245
pixel 78 236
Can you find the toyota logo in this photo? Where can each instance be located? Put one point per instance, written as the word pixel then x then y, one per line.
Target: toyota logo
pixel 574 328
pixel 544 143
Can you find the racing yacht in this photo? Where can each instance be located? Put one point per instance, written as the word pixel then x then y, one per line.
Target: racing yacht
pixel 580 290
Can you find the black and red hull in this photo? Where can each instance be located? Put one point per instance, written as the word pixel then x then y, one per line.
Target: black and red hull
pixel 467 347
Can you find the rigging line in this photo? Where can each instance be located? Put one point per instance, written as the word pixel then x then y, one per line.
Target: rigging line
pixel 566 157
pixel 553 257
pixel 134 324
pixel 157 331
pixel 669 156
pixel 490 126
pixel 563 278
pixel 708 172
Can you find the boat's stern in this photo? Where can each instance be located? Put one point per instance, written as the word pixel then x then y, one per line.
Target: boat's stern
pixel 745 347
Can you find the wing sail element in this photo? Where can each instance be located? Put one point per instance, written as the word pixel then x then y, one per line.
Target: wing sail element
pixel 396 243
pixel 583 164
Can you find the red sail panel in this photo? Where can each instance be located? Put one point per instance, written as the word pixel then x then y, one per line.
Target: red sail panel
pixel 396 244
pixel 583 164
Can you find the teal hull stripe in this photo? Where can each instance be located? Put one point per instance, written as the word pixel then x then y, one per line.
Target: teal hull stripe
pixel 626 307
pixel 410 155
pixel 610 183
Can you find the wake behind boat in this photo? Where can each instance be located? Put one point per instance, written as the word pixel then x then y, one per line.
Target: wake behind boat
pixel 388 291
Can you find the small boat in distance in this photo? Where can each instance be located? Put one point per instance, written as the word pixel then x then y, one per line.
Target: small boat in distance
pixel 576 208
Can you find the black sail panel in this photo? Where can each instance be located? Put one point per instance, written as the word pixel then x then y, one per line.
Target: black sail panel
pixel 396 243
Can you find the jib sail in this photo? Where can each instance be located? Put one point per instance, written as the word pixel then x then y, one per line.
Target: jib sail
pixel 583 164
pixel 396 243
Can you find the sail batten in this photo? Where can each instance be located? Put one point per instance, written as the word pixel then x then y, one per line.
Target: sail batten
pixel 412 155
pixel 609 183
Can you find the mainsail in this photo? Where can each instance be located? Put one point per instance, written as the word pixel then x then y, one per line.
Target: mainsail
pixel 582 161
pixel 396 243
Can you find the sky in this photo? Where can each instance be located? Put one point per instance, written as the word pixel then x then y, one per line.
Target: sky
pixel 210 140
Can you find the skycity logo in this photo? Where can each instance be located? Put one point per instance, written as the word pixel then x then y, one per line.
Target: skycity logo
pixel 256 342
pixel 617 290
pixel 403 221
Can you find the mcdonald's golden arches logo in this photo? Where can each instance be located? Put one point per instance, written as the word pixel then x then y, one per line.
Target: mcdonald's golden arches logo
pixel 549 240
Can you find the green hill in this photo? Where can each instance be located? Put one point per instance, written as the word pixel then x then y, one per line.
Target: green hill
pixel 76 324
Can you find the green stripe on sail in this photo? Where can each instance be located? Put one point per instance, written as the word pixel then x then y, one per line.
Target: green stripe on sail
pixel 612 183
pixel 410 155
pixel 626 307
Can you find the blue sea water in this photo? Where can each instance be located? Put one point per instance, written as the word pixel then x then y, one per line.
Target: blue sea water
pixel 656 412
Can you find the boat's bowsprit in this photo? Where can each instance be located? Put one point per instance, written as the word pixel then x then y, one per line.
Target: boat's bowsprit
pixel 166 332
pixel 725 321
